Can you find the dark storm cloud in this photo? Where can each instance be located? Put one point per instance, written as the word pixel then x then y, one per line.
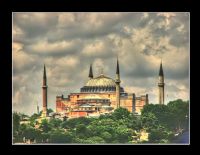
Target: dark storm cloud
pixel 35 25
pixel 32 66
pixel 69 42
pixel 177 73
pixel 141 70
pixel 58 26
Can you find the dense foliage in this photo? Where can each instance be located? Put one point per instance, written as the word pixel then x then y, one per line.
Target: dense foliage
pixel 160 121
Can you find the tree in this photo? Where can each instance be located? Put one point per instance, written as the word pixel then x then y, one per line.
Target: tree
pixel 149 120
pixel 90 140
pixel 100 125
pixel 105 116
pixel 81 129
pixel 161 112
pixel 121 113
pixel 45 137
pixel 58 136
pixel 95 140
pixel 133 122
pixel 123 134
pixel 45 126
pixel 31 133
pixel 106 136
pixel 160 134
pixel 22 116
pixel 55 123
pixel 48 111
pixel 33 119
pixel 72 123
pixel 180 111
pixel 16 122
pixel 64 124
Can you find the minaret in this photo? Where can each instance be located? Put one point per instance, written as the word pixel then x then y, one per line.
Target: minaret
pixel 90 72
pixel 44 94
pixel 117 81
pixel 161 86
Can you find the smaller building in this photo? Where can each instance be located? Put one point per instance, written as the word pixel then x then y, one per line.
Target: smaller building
pixel 25 120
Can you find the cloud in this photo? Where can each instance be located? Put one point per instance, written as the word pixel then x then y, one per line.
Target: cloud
pixel 21 60
pixel 100 48
pixel 145 15
pixel 85 25
pixel 46 48
pixel 96 48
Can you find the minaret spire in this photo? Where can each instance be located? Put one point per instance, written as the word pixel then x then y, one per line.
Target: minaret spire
pixel 161 85
pixel 90 72
pixel 117 81
pixel 117 70
pixel 161 69
pixel 44 76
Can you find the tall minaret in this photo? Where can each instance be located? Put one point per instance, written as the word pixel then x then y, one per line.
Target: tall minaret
pixel 161 86
pixel 117 81
pixel 44 94
pixel 90 72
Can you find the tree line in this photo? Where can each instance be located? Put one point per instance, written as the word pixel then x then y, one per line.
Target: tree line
pixel 161 122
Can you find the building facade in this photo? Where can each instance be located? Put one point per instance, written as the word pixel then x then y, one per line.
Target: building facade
pixel 100 95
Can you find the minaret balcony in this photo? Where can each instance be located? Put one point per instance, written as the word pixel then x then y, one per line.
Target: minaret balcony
pixel 161 84
pixel 117 81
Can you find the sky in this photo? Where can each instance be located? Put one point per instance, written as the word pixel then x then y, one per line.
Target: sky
pixel 67 43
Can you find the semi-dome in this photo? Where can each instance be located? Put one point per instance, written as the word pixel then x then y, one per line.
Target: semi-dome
pixel 101 80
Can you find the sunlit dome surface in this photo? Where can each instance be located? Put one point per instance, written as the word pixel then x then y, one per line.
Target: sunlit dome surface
pixel 101 80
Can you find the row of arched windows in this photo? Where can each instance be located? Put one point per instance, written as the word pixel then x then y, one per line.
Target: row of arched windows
pixel 97 89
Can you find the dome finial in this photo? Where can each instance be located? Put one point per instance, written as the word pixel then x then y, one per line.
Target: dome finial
pixel 101 70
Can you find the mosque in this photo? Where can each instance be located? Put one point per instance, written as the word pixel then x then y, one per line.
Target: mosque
pixel 100 95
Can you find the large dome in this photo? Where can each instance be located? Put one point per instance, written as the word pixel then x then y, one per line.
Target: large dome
pixel 101 80
pixel 101 83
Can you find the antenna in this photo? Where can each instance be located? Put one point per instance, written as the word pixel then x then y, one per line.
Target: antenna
pixel 38 108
